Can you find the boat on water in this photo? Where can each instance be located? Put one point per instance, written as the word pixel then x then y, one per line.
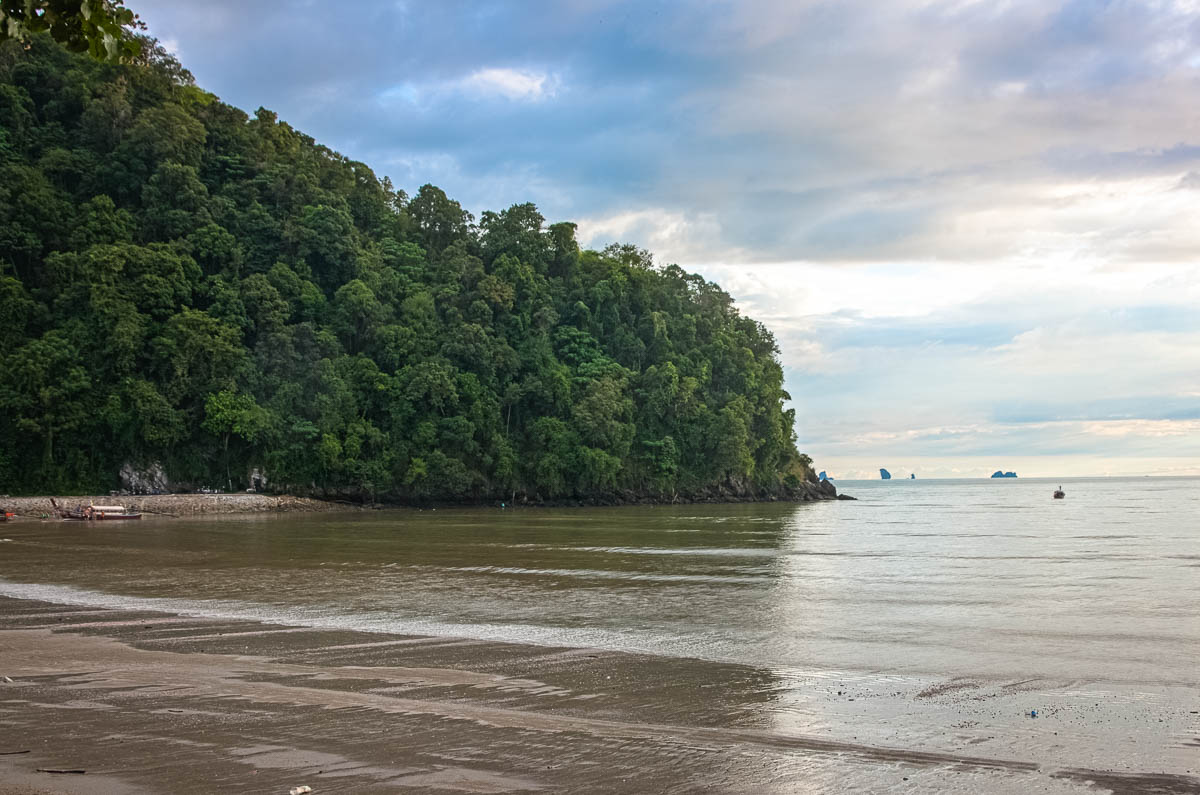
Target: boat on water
pixel 98 513
pixel 1059 493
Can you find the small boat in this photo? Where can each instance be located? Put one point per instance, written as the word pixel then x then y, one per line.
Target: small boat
pixel 106 512
pixel 98 513
pixel 1059 493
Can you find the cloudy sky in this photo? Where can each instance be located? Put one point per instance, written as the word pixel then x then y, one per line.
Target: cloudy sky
pixel 973 226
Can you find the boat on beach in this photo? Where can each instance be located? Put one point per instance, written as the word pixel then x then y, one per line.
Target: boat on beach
pixel 98 513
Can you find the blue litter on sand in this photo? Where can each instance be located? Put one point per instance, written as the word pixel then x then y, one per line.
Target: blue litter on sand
pixel 1033 713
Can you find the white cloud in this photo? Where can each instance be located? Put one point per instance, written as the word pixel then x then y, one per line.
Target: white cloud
pixel 673 237
pixel 1026 466
pixel 513 84
pixel 482 85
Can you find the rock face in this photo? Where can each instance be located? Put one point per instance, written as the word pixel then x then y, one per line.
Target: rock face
pixel 999 474
pixel 884 474
pixel 151 479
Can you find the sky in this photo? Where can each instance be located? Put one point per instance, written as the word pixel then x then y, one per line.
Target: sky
pixel 972 226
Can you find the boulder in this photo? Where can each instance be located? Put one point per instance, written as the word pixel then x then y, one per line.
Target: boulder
pixel 148 479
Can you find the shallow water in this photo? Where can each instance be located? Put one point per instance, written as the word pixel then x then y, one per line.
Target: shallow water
pixel 975 578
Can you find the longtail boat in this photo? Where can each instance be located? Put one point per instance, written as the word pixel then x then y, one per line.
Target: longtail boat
pixel 106 512
pixel 97 513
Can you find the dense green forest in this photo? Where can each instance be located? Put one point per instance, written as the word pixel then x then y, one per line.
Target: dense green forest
pixel 185 284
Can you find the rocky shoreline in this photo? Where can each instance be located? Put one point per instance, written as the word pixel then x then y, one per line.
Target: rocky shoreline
pixel 204 504
pixel 806 491
pixel 177 504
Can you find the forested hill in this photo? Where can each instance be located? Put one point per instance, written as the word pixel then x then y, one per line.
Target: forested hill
pixel 182 283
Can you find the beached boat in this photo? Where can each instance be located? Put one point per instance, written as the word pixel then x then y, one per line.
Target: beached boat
pixel 107 512
pixel 98 513
pixel 1059 493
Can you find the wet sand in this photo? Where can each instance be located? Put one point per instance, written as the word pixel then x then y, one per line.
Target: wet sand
pixel 154 702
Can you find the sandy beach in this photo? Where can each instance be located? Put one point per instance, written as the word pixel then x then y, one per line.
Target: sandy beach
pixel 154 702
pixel 176 504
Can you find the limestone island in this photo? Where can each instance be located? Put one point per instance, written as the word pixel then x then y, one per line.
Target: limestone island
pixel 999 474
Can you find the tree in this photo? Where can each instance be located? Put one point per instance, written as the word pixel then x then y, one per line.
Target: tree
pixel 45 392
pixel 228 413
pixel 104 29
pixel 439 220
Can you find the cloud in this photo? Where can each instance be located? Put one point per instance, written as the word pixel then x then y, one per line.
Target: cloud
pixel 1189 181
pixel 510 83
pixel 946 361
pixel 482 85
pixel 826 132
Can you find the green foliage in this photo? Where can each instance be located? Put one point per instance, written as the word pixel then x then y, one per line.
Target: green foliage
pixel 180 281
pixel 101 28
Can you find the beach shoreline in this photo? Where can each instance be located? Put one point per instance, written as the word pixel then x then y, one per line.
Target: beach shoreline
pixel 43 507
pixel 176 504
pixel 147 701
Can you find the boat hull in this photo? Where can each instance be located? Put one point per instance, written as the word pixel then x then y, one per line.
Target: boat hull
pixel 98 517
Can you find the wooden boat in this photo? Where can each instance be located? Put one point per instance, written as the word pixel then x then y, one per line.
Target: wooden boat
pixel 1059 493
pixel 101 513
pixel 98 513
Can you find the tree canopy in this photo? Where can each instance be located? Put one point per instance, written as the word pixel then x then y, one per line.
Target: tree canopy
pixel 182 282
pixel 105 29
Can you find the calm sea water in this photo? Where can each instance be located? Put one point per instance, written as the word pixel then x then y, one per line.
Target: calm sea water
pixel 970 577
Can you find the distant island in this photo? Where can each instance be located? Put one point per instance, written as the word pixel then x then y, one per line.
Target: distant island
pixel 912 476
pixel 823 476
pixel 999 474
pixel 884 474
